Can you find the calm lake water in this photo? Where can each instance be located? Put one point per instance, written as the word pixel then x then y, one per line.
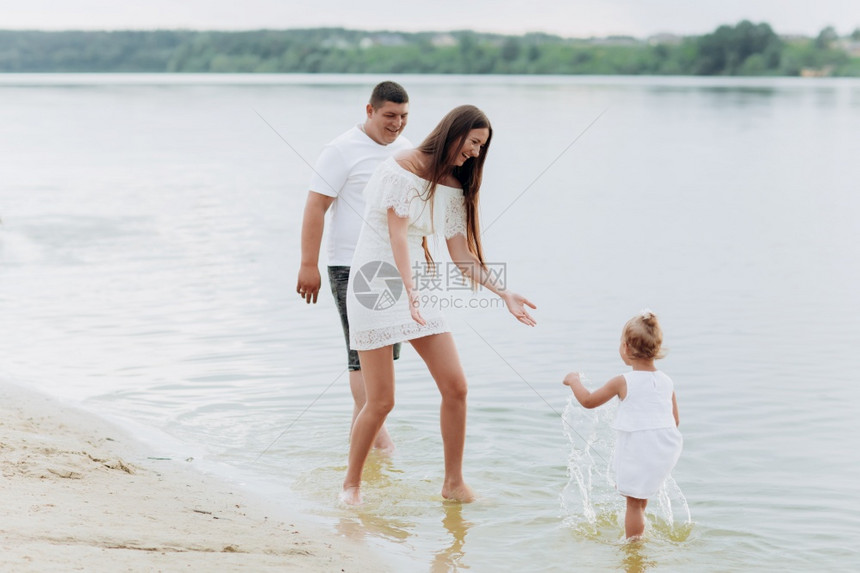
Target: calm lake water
pixel 148 254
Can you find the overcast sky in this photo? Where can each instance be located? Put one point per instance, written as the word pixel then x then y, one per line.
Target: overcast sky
pixel 573 18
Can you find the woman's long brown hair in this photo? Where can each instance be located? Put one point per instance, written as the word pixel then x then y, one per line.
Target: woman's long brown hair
pixel 443 144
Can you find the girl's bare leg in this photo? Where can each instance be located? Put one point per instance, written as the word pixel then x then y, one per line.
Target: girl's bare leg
pixel 383 441
pixel 378 368
pixel 634 519
pixel 440 354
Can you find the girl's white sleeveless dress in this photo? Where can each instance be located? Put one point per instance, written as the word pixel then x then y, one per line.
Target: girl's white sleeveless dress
pixel 648 443
pixel 377 304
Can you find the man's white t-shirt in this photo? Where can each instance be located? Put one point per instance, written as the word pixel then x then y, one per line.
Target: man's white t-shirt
pixel 343 169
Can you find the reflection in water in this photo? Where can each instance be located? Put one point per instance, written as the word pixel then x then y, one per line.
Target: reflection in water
pixel 366 522
pixel 670 530
pixel 451 557
pixel 634 559
pixel 605 528
pixel 380 514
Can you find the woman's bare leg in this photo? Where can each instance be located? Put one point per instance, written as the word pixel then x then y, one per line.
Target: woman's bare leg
pixel 378 368
pixel 440 354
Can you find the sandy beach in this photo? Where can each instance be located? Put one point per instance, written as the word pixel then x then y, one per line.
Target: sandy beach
pixel 80 495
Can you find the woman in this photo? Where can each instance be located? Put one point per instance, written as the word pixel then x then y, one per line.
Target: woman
pixel 428 190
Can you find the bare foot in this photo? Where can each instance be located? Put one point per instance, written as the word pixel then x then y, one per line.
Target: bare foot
pixel 461 493
pixel 351 495
pixel 383 442
pixel 387 449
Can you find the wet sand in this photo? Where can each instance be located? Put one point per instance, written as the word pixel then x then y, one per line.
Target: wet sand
pixel 79 494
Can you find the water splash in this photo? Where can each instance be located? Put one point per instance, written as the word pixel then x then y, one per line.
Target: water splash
pixel 589 501
pixel 672 502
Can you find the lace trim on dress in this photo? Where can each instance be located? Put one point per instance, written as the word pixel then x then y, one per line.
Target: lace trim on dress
pixel 455 217
pixel 379 337
pixel 398 193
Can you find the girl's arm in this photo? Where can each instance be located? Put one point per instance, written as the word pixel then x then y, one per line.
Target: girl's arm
pixel 471 267
pixel 397 227
pixel 675 410
pixel 615 387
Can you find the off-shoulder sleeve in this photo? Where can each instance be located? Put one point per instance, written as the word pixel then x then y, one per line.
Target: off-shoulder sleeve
pixel 399 192
pixel 455 216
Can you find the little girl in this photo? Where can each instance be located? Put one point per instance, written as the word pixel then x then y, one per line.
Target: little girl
pixel 648 443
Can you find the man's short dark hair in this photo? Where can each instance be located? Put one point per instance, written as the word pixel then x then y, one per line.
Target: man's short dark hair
pixel 388 91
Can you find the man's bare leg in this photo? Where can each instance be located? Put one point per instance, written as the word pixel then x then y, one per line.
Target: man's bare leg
pixel 383 439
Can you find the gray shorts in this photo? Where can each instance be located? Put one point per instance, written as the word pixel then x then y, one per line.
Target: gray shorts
pixel 338 278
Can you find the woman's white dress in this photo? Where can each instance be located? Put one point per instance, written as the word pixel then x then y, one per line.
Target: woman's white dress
pixel 648 443
pixel 377 304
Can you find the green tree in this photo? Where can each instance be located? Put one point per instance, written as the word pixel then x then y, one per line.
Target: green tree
pixel 725 51
pixel 826 38
pixel 511 49
pixel 747 49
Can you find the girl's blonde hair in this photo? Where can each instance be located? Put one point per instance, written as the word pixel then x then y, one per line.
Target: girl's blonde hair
pixel 643 336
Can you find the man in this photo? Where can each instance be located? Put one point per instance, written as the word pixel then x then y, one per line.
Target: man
pixel 340 174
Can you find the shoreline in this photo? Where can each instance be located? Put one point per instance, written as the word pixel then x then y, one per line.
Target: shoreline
pixel 80 493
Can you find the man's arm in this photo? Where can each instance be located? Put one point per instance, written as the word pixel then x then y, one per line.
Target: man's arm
pixel 313 223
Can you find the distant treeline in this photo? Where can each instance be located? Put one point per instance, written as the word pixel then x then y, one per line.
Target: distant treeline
pixel 745 49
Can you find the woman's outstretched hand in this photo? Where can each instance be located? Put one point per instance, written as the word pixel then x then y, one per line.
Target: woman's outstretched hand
pixel 415 308
pixel 517 305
